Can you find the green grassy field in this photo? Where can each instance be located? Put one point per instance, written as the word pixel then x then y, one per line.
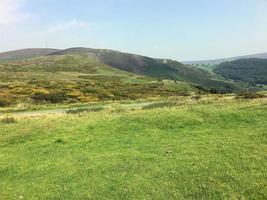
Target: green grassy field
pixel 209 150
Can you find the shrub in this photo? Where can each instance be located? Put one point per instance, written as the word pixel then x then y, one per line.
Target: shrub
pixel 184 93
pixel 250 96
pixel 213 91
pixel 51 98
pixel 89 90
pixel 8 120
pixel 197 97
pixel 4 103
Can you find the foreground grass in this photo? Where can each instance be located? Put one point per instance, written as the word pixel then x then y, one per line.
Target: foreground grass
pixel 214 151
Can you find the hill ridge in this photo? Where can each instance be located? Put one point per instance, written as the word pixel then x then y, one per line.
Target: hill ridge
pixel 26 53
pixel 220 60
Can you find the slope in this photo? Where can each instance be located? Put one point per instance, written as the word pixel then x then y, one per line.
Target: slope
pixel 125 61
pixel 157 68
pixel 218 61
pixel 201 78
pixel 76 78
pixel 246 70
pixel 25 53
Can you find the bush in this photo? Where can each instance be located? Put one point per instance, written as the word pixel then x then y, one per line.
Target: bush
pixel 89 90
pixel 4 103
pixel 213 91
pixel 8 120
pixel 184 93
pixel 197 97
pixel 51 98
pixel 250 96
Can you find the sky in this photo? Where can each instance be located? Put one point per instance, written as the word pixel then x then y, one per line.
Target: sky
pixel 175 29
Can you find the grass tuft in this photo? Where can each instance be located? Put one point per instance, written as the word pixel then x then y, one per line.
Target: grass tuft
pixel 60 141
pixel 8 120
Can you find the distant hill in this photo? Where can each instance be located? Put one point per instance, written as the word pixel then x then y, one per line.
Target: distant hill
pixel 247 70
pixel 157 68
pixel 86 60
pixel 25 53
pixel 218 61
pixel 78 78
pixel 200 77
pixel 125 61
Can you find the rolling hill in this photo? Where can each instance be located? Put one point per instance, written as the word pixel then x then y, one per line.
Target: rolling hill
pixel 201 78
pixel 218 61
pixel 25 54
pixel 124 61
pixel 86 75
pixel 246 70
pixel 157 68
pixel 77 78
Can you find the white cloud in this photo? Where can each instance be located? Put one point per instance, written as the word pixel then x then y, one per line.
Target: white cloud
pixel 11 12
pixel 68 25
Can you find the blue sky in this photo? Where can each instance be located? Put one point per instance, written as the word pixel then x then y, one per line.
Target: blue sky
pixel 177 29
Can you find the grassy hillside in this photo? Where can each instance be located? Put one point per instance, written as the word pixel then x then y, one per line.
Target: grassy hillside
pixel 25 53
pixel 76 78
pixel 163 69
pixel 246 70
pixel 201 63
pixel 200 77
pixel 127 62
pixel 215 150
pixel 89 75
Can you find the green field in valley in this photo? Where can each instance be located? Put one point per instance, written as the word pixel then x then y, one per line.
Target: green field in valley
pixel 207 150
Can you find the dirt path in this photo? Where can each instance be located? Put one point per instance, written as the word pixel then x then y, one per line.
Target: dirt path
pixel 64 110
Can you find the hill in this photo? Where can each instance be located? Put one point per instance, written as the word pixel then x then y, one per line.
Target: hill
pixel 77 78
pixel 201 78
pixel 218 61
pixel 25 53
pixel 125 61
pixel 246 70
pixel 157 68
pixel 87 75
